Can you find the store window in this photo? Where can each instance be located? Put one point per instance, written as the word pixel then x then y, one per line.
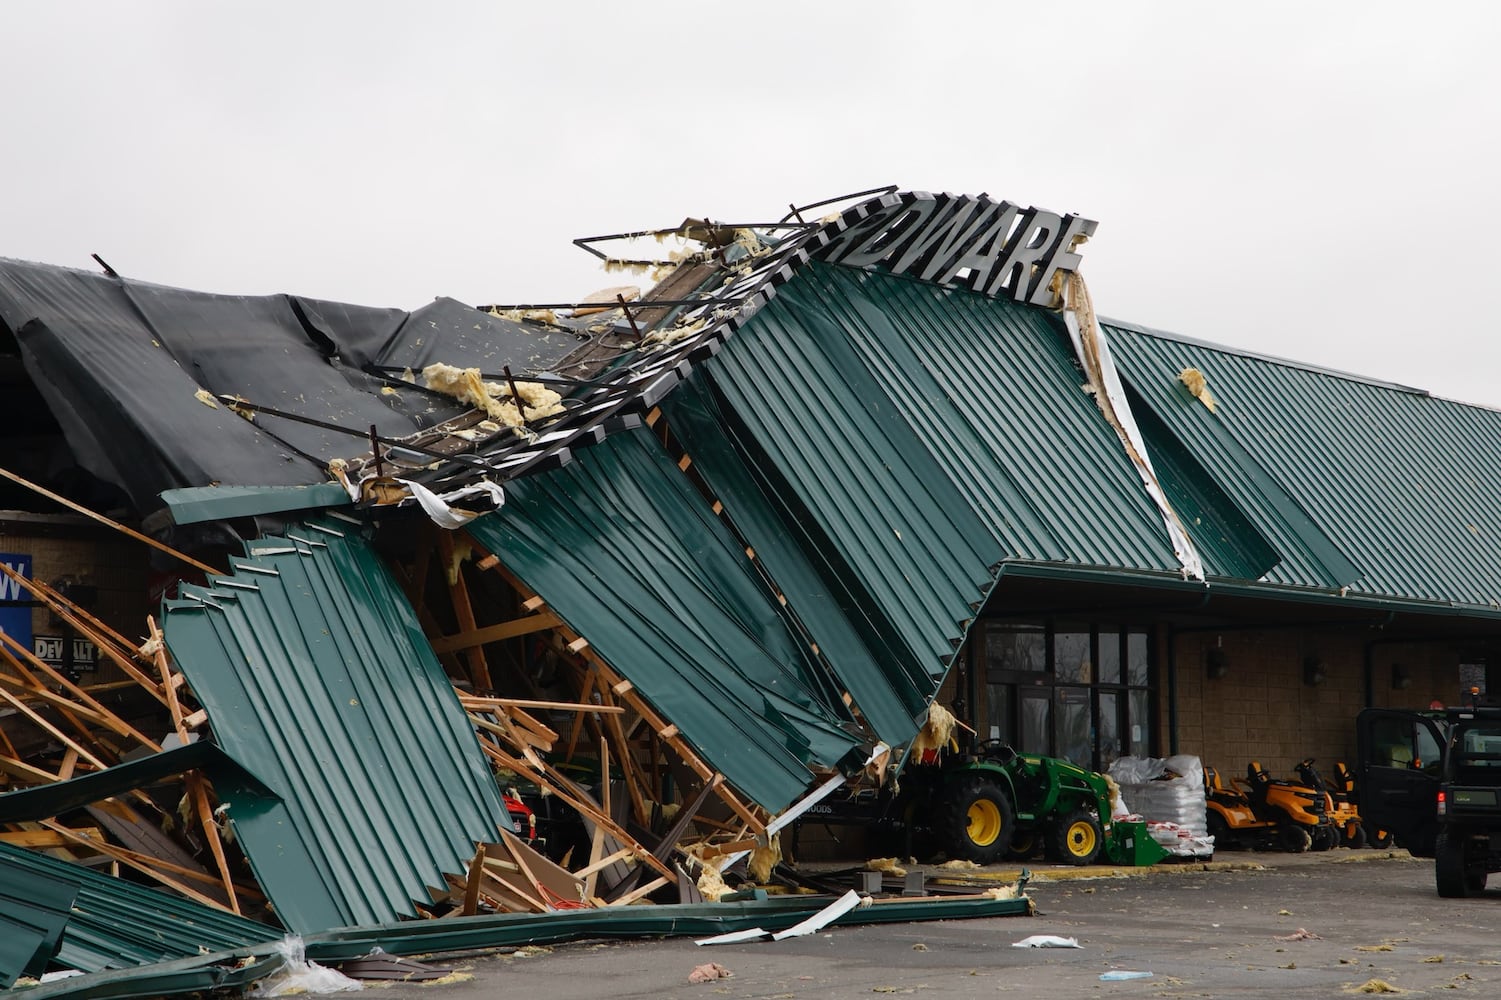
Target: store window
pixel 1073 689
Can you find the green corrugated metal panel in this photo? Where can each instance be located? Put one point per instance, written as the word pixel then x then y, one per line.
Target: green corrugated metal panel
pixel 1229 545
pixel 888 699
pixel 1397 486
pixel 919 435
pixel 115 924
pixel 34 909
pixel 318 681
pixel 626 552
pixel 676 920
pixel 196 504
pixel 44 801
pixel 201 974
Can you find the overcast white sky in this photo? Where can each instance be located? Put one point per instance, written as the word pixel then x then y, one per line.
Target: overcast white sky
pixel 1315 181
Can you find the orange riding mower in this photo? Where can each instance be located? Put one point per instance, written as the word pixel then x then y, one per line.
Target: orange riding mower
pixel 1343 806
pixel 1264 814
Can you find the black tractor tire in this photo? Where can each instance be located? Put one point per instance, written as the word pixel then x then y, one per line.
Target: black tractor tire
pixel 1077 838
pixel 1294 838
pixel 1224 839
pixel 1324 838
pixel 1024 844
pixel 1379 839
pixel 1354 836
pixel 976 821
pixel 1449 866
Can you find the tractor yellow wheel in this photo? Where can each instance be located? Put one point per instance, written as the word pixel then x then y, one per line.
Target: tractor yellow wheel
pixel 985 823
pixel 1077 838
pixel 1081 838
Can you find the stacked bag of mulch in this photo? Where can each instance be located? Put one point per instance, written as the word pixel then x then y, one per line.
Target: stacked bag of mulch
pixel 1167 793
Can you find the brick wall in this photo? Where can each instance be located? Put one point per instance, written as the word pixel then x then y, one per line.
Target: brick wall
pixel 65 547
pixel 1264 709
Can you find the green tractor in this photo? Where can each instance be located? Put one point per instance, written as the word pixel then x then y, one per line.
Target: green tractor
pixel 996 803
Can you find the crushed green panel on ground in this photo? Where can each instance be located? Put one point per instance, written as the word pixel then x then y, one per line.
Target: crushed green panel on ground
pixel 369 782
pixel 34 910
pixel 112 923
pixel 675 920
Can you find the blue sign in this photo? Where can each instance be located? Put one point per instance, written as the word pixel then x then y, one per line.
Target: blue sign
pixel 15 621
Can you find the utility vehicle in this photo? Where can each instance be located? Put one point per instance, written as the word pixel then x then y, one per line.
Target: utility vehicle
pixel 1434 779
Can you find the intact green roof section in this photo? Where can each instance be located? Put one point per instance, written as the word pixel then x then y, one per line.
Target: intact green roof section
pixel 111 923
pixel 920 435
pixel 1374 487
pixel 628 553
pixel 319 682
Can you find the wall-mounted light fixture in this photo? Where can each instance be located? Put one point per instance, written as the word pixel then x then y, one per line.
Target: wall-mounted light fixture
pixel 1313 671
pixel 1401 679
pixel 1216 664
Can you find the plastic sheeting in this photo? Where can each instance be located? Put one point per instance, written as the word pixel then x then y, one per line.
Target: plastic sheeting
pixel 119 364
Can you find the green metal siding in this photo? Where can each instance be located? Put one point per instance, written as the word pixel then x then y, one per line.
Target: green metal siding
pixel 499 930
pixel 1396 489
pixel 115 924
pixel 889 699
pixel 918 436
pixel 626 552
pixel 319 682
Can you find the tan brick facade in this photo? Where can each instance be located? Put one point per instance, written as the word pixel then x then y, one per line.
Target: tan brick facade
pixel 1264 708
pixel 74 549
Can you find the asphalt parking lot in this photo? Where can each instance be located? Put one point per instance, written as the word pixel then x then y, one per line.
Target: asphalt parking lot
pixel 1370 922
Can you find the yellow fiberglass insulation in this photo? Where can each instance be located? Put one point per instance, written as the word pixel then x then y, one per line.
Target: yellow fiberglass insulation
pixel 465 385
pixel 1198 385
pixel 937 734
pixel 764 859
pixel 711 885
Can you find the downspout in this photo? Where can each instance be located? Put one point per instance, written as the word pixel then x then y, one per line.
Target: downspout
pixel 1172 682
pixel 1369 665
pixel 1172 693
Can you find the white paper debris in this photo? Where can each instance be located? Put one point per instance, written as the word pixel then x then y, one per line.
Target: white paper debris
pixel 1046 941
pixel 822 918
pixel 734 937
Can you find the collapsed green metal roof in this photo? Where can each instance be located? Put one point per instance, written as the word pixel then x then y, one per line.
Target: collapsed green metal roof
pixel 1361 487
pixel 319 682
pixel 626 552
pixel 900 440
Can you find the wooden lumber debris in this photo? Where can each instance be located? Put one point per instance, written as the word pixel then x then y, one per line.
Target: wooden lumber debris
pixel 78 508
pixel 54 713
pixel 507 876
pixel 561 726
